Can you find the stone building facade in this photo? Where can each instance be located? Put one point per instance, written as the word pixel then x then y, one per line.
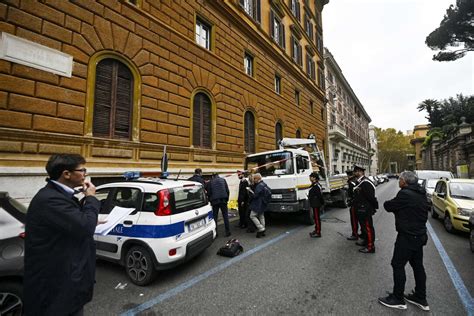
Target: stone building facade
pixel 347 120
pixel 419 136
pixel 211 80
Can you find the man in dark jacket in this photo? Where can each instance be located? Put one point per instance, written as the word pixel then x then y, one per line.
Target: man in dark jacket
pixel 411 213
pixel 351 183
pixel 243 200
pixel 197 176
pixel 258 204
pixel 365 203
pixel 59 246
pixel 218 192
pixel 316 202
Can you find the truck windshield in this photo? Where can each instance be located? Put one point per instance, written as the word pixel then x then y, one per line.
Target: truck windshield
pixel 279 163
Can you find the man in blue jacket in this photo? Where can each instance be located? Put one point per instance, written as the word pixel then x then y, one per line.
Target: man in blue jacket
pixel 59 246
pixel 410 208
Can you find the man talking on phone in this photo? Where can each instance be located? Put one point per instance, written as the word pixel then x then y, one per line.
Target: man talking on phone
pixel 59 246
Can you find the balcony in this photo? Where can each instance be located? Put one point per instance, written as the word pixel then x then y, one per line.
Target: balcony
pixel 336 133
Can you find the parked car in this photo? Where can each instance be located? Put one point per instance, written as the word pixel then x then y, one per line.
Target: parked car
pixel 433 174
pixel 12 233
pixel 471 233
pixel 429 185
pixel 373 180
pixel 383 178
pixel 453 200
pixel 172 222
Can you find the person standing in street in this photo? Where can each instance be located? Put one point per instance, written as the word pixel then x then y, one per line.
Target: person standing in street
pixel 59 272
pixel 410 208
pixel 351 183
pixel 259 204
pixel 316 202
pixel 365 204
pixel 218 192
pixel 197 176
pixel 242 200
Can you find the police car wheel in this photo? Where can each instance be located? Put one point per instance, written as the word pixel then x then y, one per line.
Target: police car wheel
pixel 139 266
pixel 11 302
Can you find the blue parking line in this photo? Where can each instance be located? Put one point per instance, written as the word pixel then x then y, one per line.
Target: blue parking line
pixel 183 286
pixel 463 292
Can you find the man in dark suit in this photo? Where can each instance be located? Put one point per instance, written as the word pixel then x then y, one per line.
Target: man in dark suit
pixel 197 176
pixel 365 203
pixel 243 200
pixel 218 192
pixel 59 246
pixel 316 202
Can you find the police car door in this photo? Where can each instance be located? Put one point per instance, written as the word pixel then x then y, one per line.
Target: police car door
pixel 128 197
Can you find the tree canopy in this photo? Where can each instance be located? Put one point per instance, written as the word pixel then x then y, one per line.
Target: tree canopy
pixel 445 115
pixel 393 146
pixel 455 35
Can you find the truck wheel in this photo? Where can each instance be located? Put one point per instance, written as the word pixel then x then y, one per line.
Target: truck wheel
pixel 139 266
pixel 308 217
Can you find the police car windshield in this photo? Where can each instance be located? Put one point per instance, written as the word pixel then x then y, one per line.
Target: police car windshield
pixel 271 164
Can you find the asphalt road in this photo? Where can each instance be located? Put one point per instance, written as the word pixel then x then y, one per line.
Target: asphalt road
pixel 288 273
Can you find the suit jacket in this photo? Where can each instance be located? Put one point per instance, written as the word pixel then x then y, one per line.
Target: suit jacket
pixel 243 193
pixel 59 252
pixel 315 196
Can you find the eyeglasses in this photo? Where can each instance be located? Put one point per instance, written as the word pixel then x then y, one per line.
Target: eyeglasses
pixel 81 170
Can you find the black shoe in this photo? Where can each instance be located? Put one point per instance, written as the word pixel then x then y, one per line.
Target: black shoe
pixel 314 235
pixel 421 303
pixel 361 242
pixel 260 235
pixel 393 302
pixel 367 250
pixel 250 230
pixel 352 237
pixel 227 234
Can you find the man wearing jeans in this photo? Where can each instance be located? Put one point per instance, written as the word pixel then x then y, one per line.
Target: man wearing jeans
pixel 258 205
pixel 411 213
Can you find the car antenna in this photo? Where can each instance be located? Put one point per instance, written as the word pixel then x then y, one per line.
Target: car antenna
pixel 177 177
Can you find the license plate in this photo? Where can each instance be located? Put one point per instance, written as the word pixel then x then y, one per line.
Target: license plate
pixel 277 196
pixel 195 225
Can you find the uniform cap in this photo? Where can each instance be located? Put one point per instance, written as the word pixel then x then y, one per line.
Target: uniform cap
pixel 358 168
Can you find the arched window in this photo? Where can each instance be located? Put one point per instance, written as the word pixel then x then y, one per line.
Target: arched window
pixel 278 133
pixel 202 121
pixel 298 133
pixel 249 132
pixel 113 100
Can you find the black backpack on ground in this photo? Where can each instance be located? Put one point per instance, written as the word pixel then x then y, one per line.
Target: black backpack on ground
pixel 231 249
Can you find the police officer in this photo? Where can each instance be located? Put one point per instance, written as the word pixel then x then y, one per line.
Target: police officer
pixel 316 202
pixel 365 204
pixel 243 200
pixel 351 182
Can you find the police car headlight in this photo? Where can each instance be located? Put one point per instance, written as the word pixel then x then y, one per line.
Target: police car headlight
pixel 464 211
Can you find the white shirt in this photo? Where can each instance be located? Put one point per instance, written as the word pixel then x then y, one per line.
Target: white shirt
pixel 64 187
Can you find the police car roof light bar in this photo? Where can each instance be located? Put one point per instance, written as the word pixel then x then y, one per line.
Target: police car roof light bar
pixel 133 175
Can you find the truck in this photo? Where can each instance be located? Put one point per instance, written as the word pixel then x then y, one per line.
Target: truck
pixel 286 171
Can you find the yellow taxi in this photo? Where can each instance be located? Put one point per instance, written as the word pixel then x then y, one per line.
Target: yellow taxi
pixel 453 201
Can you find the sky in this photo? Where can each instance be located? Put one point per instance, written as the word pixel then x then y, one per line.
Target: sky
pixel 380 47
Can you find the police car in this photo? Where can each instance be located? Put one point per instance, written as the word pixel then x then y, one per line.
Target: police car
pixel 172 222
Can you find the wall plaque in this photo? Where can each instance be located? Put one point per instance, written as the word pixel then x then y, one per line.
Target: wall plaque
pixel 25 52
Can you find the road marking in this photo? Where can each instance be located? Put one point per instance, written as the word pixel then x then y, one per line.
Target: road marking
pixel 463 292
pixel 183 286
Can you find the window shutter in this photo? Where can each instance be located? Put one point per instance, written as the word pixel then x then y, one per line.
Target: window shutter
pixel 283 37
pixel 196 121
pixel 292 48
pixel 272 27
pixel 249 132
pixel 124 101
pixel 300 55
pixel 103 98
pixel 258 14
pixel 278 134
pixel 207 122
pixel 242 3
